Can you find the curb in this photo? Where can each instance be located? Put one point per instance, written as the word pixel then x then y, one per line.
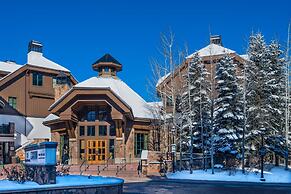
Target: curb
pixel 225 183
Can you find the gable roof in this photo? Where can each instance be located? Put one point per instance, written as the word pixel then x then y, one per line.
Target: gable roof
pixel 37 59
pixel 9 66
pixel 212 50
pixel 139 106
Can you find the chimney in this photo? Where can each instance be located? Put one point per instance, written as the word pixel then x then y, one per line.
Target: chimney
pixel 35 46
pixel 216 39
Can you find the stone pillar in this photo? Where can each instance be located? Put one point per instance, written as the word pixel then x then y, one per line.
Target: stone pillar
pixel 73 153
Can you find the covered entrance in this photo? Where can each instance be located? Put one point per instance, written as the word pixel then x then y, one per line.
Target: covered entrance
pixel 96 151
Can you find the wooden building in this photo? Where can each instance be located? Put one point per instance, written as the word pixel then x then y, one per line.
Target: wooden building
pixel 31 89
pixel 101 119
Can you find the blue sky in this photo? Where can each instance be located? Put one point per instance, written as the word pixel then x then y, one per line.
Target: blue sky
pixel 76 33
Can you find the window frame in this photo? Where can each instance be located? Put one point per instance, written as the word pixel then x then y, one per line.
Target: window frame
pixel 12 103
pixel 90 130
pixel 83 130
pixel 99 130
pixel 37 79
pixel 140 144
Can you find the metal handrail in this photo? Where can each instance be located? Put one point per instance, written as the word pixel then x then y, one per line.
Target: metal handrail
pixel 119 168
pixel 106 163
pixel 85 162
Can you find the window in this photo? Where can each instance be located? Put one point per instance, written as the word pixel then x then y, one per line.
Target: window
pixel 5 129
pixel 91 116
pixel 112 130
pixel 12 101
pixel 111 148
pixel 140 143
pixel 112 71
pixel 54 82
pixel 169 101
pixel 106 69
pixel 82 130
pixel 102 130
pixel 82 149
pixel 102 115
pixel 91 131
pixel 36 79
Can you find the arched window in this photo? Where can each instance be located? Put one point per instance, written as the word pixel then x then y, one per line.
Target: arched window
pixel 91 116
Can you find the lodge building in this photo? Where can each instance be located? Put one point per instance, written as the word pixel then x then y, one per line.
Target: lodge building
pixel 26 92
pixel 101 118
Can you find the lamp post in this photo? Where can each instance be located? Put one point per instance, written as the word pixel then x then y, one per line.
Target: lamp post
pixel 262 153
pixel 173 148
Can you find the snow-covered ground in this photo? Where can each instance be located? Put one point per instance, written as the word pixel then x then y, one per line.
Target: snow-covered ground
pixel 276 175
pixel 62 181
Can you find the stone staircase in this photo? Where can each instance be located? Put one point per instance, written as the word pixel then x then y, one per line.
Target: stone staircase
pixel 116 170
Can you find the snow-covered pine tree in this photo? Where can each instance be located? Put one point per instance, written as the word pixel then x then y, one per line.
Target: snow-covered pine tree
pixel 195 105
pixel 276 99
pixel 228 114
pixel 258 91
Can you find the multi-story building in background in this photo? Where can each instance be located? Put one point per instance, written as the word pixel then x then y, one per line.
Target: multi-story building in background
pixel 31 89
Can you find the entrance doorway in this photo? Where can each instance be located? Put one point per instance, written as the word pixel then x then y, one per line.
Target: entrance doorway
pixel 96 151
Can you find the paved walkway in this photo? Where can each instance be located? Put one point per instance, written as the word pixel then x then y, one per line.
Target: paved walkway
pixel 203 187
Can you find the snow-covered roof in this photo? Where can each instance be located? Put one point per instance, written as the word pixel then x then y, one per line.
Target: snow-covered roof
pixel 37 59
pixel 162 79
pixel 212 50
pixel 51 117
pixel 39 131
pixel 139 106
pixel 245 57
pixel 34 128
pixel 9 66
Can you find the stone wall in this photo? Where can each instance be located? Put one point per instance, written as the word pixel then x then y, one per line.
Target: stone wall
pixel 104 189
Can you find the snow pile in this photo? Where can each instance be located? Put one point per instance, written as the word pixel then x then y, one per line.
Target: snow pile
pixel 62 181
pixel 276 175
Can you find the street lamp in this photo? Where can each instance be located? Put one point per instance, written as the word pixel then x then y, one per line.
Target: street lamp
pixel 262 153
pixel 173 147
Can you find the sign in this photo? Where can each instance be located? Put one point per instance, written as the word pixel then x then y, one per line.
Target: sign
pixel 144 154
pixel 41 154
pixel 173 148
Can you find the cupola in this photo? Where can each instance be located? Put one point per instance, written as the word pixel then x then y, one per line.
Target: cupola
pixel 216 39
pixel 107 66
pixel 35 46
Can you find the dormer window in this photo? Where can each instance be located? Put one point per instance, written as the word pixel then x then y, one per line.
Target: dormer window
pixel 37 79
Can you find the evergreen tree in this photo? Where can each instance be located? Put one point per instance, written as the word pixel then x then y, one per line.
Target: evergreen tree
pixel 228 114
pixel 259 126
pixel 195 105
pixel 276 99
